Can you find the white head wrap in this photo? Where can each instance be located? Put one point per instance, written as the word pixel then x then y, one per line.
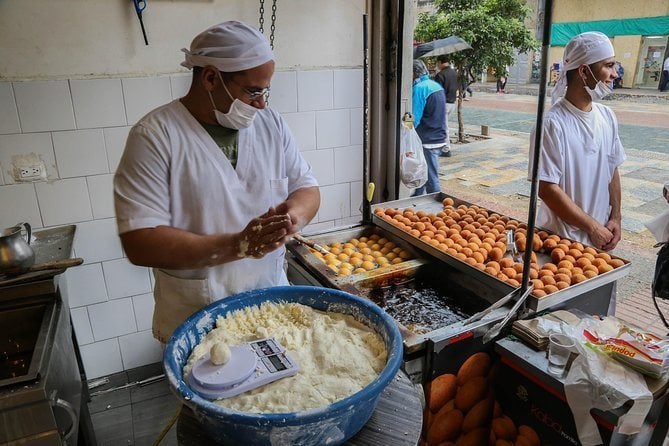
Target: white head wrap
pixel 586 48
pixel 229 46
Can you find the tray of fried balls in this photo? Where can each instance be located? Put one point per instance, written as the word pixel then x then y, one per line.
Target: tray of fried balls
pixel 357 254
pixel 477 237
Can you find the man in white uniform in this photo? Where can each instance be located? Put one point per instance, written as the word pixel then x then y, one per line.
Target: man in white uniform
pixel 579 182
pixel 212 185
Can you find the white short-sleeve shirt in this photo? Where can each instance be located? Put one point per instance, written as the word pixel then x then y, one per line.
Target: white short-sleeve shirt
pixel 172 173
pixel 580 152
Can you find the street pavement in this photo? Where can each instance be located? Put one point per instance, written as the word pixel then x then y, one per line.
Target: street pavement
pixel 492 171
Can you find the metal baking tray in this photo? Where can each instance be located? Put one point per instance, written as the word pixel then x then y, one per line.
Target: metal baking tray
pixel 432 203
pixel 332 279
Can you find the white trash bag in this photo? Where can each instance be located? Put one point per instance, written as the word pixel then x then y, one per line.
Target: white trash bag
pixel 413 167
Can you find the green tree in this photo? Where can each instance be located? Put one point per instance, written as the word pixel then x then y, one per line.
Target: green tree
pixel 495 29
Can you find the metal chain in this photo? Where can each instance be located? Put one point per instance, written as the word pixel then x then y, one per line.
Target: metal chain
pixel 273 25
pixel 261 20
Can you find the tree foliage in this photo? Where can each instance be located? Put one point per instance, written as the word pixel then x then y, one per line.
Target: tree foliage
pixel 495 29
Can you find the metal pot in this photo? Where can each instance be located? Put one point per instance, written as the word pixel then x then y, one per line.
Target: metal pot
pixel 15 251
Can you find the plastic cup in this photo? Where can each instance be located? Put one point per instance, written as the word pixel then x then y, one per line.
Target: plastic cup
pixel 559 349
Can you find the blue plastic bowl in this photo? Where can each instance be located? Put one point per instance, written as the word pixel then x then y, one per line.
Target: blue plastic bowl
pixel 330 425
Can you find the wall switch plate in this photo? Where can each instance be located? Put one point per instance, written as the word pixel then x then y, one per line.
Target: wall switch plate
pixel 29 168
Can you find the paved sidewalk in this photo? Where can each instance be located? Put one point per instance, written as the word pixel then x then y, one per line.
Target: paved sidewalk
pixel 493 173
pixel 640 95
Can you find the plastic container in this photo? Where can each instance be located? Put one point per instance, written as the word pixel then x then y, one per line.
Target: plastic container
pixel 329 425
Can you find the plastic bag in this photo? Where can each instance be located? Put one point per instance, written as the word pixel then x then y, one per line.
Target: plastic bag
pixel 413 167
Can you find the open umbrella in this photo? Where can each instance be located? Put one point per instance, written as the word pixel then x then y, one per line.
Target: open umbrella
pixel 448 45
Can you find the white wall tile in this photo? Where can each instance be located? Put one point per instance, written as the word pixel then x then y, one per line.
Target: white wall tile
pixel 64 201
pixel 348 88
pixel 97 241
pixel 303 127
pixel 143 94
pixel 24 144
pixel 115 138
pixel 101 358
pixel 333 128
pixel 97 103
pixel 143 305
pixel 44 105
pixel 348 164
pixel 9 116
pixel 101 190
pixel 112 319
pixel 80 153
pixel 348 221
pixel 19 203
pixel 356 198
pixel 125 279
pixel 138 349
pixel 356 126
pixel 283 97
pixel 314 90
pixel 317 227
pixel 82 325
pixel 85 285
pixel 335 202
pixel 180 84
pixel 321 162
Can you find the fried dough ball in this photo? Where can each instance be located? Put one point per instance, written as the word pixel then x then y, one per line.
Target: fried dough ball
pixel 539 293
pixel 565 264
pixel 550 267
pixel 509 272
pixel 566 271
pixel 513 282
pixel 590 274
pixel 582 262
pixel 578 278
pixel 448 201
pixel 344 272
pixel 490 270
pixel 495 265
pixel 557 254
pixel 562 278
pixel 605 268
pixel 590 250
pixel 548 280
pixel 396 260
pixel 367 265
pixel 616 263
pixel 549 289
pixel 549 244
pixel 538 284
pixel 506 263
pixel 496 253
pixel 561 285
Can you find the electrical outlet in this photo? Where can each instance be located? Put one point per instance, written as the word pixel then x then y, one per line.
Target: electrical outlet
pixel 35 172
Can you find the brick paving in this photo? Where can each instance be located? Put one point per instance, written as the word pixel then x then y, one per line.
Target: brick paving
pixel 493 172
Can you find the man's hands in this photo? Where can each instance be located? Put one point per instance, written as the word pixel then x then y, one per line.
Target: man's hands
pixel 600 236
pixel 264 234
pixel 613 226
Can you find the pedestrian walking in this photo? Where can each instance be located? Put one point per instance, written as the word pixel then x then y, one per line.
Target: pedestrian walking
pixel 429 114
pixel 448 79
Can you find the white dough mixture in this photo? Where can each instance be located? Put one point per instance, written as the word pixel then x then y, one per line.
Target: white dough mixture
pixel 337 355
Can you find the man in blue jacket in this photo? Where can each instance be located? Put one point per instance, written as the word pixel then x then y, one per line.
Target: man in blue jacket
pixel 429 114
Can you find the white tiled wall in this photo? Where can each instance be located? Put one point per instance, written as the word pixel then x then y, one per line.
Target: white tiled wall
pixel 78 128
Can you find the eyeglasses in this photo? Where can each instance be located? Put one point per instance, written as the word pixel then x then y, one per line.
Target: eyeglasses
pixel 254 94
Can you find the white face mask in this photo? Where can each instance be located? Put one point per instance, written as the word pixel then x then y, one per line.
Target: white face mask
pixel 600 91
pixel 240 115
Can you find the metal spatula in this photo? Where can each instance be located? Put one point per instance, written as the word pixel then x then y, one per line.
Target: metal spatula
pixel 310 244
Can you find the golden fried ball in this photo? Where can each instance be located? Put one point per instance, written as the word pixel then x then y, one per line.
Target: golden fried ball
pixel 539 293
pixel 549 289
pixel 561 285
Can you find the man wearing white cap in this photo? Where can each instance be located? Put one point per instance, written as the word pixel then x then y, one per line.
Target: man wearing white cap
pixel 579 182
pixel 212 185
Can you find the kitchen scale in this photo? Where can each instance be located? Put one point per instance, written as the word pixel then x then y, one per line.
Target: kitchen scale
pixel 251 365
